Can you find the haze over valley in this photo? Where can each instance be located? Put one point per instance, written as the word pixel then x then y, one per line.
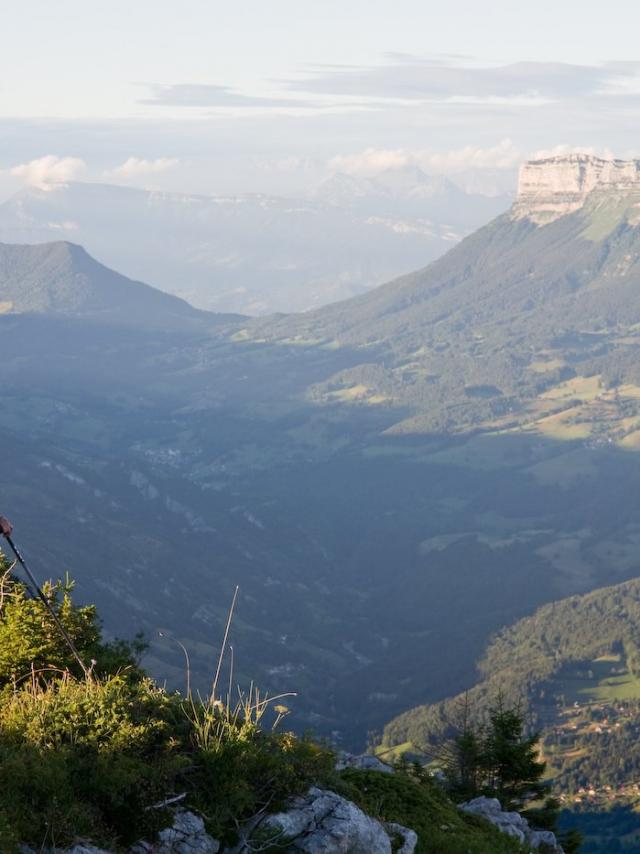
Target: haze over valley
pixel 257 254
pixel 286 450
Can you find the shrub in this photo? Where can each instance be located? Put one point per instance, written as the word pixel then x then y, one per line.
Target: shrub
pixel 30 640
pixel 411 798
pixel 92 755
pixel 86 757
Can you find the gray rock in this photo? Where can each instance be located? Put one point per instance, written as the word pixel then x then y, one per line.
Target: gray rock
pixel 482 806
pixel 511 823
pixel 409 837
pixel 325 823
pixel 537 838
pixel 363 761
pixel 187 835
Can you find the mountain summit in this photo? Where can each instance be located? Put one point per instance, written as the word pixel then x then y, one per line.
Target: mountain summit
pixel 63 279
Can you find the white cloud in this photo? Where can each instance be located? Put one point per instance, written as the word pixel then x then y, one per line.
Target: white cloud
pixel 134 167
pixel 564 149
pixel 372 161
pixel 504 155
pixel 48 170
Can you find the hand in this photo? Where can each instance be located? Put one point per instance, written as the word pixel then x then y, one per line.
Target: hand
pixel 5 526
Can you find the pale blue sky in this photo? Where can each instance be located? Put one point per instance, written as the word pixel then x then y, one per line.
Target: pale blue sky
pixel 77 58
pixel 205 94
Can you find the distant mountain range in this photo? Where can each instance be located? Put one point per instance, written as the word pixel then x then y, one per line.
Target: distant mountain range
pixel 256 254
pixel 390 480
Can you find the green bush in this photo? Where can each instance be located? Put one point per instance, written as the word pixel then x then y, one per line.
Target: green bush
pixel 409 797
pixel 242 778
pixel 31 641
pixel 91 756
pixel 87 757
pixel 95 755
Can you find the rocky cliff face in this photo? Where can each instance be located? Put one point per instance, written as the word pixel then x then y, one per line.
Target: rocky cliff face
pixel 555 186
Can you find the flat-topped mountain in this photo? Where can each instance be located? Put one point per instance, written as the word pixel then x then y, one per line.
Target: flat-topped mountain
pixel 556 186
pixel 512 310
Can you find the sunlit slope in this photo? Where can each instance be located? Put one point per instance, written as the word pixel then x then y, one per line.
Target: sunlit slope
pixel 573 667
pixel 508 329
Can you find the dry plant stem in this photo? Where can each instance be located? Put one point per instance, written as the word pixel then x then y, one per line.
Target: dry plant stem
pixel 3 580
pixel 214 687
pixel 166 803
pixel 214 721
pixel 187 660
pixel 230 678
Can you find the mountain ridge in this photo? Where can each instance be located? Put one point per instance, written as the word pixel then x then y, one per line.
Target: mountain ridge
pixel 513 280
pixel 253 253
pixel 61 278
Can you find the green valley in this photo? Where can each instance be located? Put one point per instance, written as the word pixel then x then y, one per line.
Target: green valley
pixel 390 480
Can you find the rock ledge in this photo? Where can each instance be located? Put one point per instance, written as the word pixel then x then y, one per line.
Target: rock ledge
pixel 512 823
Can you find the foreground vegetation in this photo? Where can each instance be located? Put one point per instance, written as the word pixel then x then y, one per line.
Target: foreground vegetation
pixel 411 798
pixel 96 755
pixel 104 754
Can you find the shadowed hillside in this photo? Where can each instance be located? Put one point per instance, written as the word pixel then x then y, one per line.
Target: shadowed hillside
pixel 390 481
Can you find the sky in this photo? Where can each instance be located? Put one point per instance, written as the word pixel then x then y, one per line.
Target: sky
pixel 258 96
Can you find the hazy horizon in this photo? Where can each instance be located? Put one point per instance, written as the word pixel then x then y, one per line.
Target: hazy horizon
pixel 206 99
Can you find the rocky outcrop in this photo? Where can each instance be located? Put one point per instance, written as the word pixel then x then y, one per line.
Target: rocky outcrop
pixel 363 762
pixel 187 835
pixel 322 822
pixel 409 837
pixel 513 824
pixel 556 186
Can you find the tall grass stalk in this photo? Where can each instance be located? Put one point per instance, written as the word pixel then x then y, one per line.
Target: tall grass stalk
pixel 215 722
pixel 187 660
pixel 214 687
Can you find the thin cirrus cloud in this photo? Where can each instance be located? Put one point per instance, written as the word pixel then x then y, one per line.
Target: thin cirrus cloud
pixel 406 80
pixel 412 78
pixel 208 95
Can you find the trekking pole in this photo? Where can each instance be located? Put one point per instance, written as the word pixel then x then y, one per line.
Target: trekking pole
pixel 47 604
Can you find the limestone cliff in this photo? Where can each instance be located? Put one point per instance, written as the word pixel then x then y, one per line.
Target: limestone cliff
pixel 555 186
